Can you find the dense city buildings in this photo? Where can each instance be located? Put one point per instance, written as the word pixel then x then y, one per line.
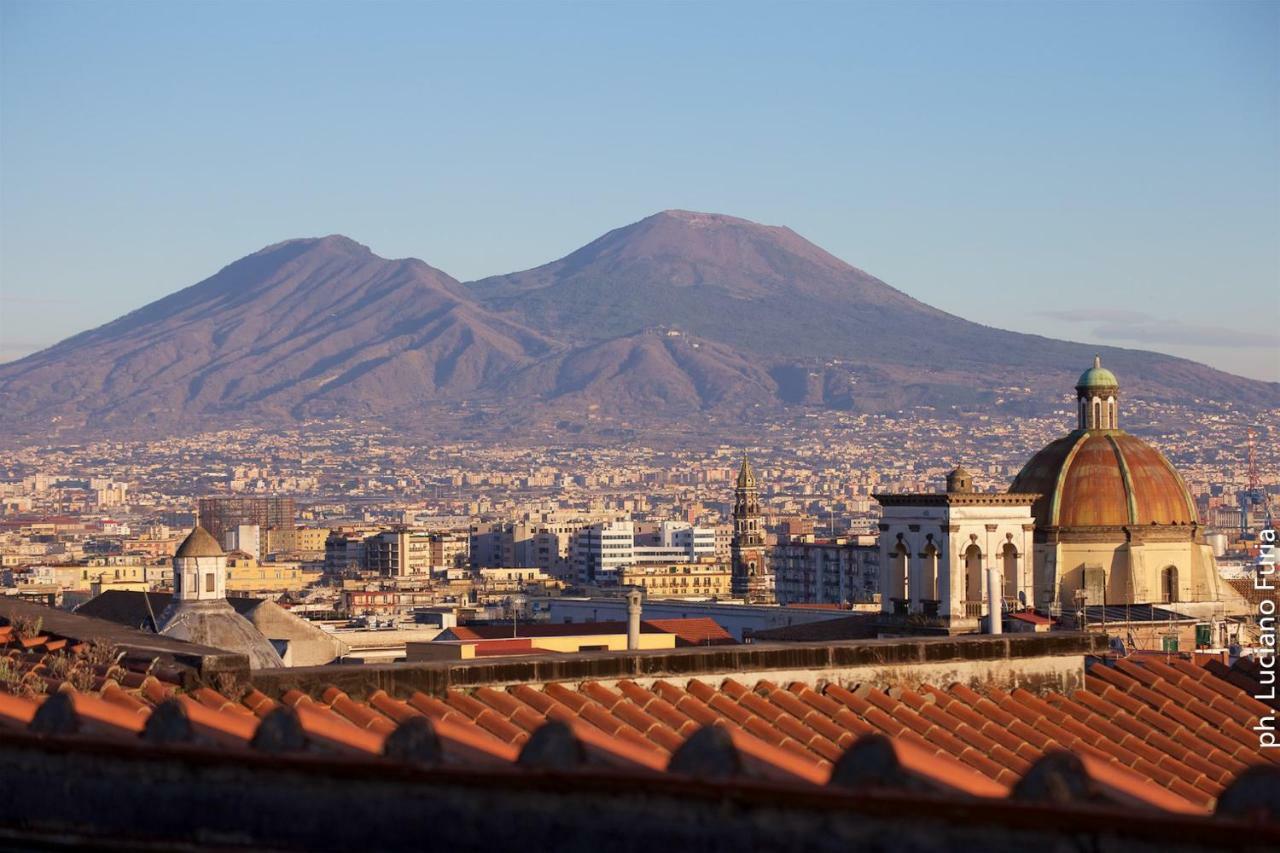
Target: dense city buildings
pixel 1105 561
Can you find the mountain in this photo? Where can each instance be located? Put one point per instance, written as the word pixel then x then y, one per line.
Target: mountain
pixel 299 329
pixel 677 316
pixel 826 332
pixel 659 369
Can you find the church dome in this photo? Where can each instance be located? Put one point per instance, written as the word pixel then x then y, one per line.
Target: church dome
pixel 1097 377
pixel 199 543
pixel 1093 478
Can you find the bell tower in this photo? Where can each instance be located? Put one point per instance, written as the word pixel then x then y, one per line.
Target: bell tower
pixel 752 579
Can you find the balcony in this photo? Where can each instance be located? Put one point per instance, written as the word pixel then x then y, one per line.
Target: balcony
pixel 973 609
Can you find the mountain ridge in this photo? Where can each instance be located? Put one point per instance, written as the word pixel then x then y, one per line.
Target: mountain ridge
pixel 676 314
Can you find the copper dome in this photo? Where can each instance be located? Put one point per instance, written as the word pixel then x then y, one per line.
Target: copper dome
pixel 1104 478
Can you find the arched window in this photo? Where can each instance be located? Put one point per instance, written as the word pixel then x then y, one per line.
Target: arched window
pixel 973 573
pixel 1169 584
pixel 929 573
pixel 1009 559
pixel 898 577
pixel 1097 415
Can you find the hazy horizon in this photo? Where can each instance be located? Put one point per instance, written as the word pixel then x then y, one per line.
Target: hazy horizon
pixel 1096 173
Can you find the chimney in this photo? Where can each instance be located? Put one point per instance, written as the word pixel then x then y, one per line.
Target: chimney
pixel 995 613
pixel 633 620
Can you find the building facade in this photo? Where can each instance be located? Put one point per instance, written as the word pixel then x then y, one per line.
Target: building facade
pixel 938 552
pixel 845 570
pixel 1115 523
pixel 274 515
pixel 703 579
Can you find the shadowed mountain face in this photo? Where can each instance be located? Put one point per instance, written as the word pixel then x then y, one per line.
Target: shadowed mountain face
pixel 677 314
pixel 826 332
pixel 302 328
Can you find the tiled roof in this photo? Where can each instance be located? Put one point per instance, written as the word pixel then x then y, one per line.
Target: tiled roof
pixel 1250 592
pixel 1104 478
pixel 1159 733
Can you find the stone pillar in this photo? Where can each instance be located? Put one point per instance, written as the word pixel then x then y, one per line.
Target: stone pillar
pixel 633 620
pixel 995 613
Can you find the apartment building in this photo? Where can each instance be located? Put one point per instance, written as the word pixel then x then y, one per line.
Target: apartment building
pixel 807 570
pixel 398 552
pixel 706 578
pixel 599 550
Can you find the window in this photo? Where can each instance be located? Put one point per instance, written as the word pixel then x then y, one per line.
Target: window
pixel 209 582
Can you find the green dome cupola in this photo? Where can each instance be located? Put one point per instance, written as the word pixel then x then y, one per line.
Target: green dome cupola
pixel 1096 398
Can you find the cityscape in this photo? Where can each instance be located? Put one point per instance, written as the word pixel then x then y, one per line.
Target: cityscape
pixel 697 535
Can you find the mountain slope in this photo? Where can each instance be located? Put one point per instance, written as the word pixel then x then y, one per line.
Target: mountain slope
pixel 826 331
pixel 679 315
pixel 651 369
pixel 305 327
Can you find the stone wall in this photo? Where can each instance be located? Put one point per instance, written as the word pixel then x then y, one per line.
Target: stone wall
pixel 1037 662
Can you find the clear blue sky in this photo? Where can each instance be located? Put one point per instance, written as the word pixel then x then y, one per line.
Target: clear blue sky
pixel 1095 171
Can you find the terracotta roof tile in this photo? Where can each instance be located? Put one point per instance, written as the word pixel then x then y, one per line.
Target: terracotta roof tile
pixel 842 716
pixel 16 712
pixel 1165 726
pixel 394 709
pixel 329 729
pixel 687 704
pixel 1136 789
pixel 224 728
pixel 535 699
pixel 467 744
pixel 617 752
pixel 518 713
pixel 100 716
pixel 659 708
pixel 117 696
pixel 357 713
pixel 771 762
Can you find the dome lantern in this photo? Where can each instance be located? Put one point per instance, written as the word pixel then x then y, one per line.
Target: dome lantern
pixel 959 481
pixel 1097 393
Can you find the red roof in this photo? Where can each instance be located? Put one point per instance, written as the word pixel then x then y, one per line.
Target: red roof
pixel 701 631
pixel 1158 731
pixel 509 646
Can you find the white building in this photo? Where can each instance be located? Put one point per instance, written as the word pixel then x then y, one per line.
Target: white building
pixel 245 537
pixel 694 541
pixel 599 549
pixel 937 551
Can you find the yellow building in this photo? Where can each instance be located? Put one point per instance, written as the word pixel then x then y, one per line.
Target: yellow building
pixel 310 541
pixel 468 649
pixel 703 579
pixel 246 574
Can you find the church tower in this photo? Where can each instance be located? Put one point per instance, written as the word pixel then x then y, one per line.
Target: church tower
pixel 1096 397
pixel 199 611
pixel 200 568
pixel 752 579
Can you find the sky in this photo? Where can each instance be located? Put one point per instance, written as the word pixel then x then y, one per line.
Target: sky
pixel 1101 172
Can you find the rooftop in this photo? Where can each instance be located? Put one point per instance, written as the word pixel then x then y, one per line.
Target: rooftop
pixel 1162 742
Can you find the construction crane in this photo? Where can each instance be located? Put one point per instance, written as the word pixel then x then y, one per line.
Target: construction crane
pixel 1253 495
